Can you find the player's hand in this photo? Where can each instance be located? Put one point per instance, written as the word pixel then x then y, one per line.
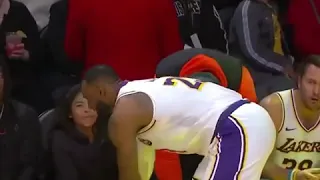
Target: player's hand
pixel 314 171
pixel 308 174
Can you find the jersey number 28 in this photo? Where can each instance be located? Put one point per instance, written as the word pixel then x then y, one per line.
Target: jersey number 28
pixel 172 81
pixel 291 164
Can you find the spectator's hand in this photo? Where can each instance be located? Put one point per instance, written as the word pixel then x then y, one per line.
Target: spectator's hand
pixel 19 52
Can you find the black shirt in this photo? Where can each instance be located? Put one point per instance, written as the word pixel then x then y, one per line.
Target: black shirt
pixel 76 159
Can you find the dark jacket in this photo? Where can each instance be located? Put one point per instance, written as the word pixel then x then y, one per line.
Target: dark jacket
pixel 20 137
pixel 20 142
pixel 221 4
pixel 76 159
pixel 201 17
pixel 20 19
pixel 252 37
pixel 55 36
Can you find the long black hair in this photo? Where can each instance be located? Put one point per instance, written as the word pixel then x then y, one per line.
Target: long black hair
pixel 63 110
pixel 7 85
pixel 66 124
pixel 9 109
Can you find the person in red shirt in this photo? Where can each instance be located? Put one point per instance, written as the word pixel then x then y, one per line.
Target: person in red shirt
pixel 304 16
pixel 130 36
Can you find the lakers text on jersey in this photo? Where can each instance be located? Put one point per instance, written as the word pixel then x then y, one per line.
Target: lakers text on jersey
pixel 296 146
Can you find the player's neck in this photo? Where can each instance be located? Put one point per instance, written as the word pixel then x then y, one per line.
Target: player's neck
pixel 303 111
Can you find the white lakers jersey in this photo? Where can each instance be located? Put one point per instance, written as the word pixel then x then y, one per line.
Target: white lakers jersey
pixel 185 112
pixel 296 146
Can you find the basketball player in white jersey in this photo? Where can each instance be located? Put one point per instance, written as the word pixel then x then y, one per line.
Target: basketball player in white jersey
pixel 296 113
pixel 184 116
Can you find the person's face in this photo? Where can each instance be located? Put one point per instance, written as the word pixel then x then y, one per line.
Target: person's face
pixel 81 114
pixel 90 93
pixel 309 86
pixel 98 92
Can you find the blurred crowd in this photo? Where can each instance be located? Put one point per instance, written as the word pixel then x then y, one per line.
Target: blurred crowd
pixel 46 46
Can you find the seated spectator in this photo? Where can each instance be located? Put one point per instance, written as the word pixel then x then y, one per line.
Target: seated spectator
pixel 256 38
pixel 20 134
pixel 78 152
pixel 21 43
pixel 129 36
pixel 304 18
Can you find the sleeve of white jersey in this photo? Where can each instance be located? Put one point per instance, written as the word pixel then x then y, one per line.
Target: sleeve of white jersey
pixel 146 156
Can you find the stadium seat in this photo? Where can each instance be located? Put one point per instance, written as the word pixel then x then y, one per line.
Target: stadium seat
pixel 175 65
pixel 48 122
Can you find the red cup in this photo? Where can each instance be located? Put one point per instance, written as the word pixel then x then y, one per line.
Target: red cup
pixel 12 40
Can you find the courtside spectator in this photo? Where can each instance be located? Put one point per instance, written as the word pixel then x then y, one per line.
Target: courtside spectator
pixel 304 17
pixel 20 134
pixel 39 10
pixel 256 38
pixel 21 45
pixel 20 40
pixel 131 36
pixel 78 152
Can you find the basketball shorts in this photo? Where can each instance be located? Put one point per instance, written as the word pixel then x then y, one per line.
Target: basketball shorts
pixel 241 145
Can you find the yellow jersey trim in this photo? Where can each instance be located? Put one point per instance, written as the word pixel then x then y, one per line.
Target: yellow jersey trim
pixel 283 112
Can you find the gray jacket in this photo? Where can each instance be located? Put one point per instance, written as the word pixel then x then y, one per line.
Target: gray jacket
pixel 251 37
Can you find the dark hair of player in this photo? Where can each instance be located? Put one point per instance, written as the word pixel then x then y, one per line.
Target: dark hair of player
pixel 101 71
pixel 310 60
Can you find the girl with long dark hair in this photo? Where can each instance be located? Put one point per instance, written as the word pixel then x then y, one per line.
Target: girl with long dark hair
pixel 79 151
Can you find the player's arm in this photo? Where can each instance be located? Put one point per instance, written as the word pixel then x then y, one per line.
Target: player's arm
pixel 274 106
pixel 131 113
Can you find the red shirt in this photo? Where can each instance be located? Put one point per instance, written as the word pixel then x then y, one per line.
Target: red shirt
pixel 306 28
pixel 130 36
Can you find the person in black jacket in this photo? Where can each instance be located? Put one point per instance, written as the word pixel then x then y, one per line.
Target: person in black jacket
pixel 20 134
pixel 20 42
pixel 78 150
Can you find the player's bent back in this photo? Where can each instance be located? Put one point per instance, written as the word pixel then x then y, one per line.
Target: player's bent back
pixel 181 103
pixel 235 136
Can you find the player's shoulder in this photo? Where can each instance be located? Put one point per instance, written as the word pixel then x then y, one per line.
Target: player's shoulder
pixel 275 107
pixel 137 105
pixel 139 99
pixel 272 100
